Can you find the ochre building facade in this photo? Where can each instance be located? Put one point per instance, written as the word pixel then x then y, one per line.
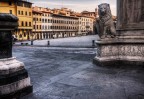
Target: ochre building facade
pixel 23 10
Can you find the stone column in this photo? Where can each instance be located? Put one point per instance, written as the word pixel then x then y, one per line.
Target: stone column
pixel 128 48
pixel 130 22
pixel 14 79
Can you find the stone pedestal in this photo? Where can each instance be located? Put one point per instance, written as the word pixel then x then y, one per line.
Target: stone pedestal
pixel 128 47
pixel 14 80
pixel 119 52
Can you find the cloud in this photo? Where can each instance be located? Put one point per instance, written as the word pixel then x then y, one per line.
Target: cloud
pixel 76 5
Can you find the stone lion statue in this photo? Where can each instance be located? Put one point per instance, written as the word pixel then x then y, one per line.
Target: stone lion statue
pixel 104 24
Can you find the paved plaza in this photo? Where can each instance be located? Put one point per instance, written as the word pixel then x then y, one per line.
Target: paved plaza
pixel 68 73
pixel 81 41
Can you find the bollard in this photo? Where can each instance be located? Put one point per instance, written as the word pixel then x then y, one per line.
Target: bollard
pixel 48 43
pixel 31 42
pixel 93 43
pixel 26 44
pixel 21 43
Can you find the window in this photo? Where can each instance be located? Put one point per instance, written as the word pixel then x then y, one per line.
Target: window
pixel 26 24
pixel 30 24
pixel 25 13
pixel 33 26
pixel 43 20
pixel 22 23
pixel 51 27
pixel 22 12
pixel 24 34
pixel 19 12
pixel 45 27
pixel 10 11
pixel 29 13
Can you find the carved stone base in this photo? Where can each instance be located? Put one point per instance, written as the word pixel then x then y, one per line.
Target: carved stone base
pixel 14 80
pixel 119 52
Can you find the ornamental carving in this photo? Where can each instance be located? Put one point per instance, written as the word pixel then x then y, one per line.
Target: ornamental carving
pixel 121 50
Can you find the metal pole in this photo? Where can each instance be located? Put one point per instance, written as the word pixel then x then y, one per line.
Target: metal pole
pixel 48 43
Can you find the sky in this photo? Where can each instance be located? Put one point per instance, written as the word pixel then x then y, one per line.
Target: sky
pixel 75 5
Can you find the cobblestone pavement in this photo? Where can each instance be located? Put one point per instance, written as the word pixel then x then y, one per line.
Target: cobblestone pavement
pixel 68 73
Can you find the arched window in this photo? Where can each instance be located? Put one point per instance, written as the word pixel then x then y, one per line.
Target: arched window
pixel 22 12
pixel 22 23
pixel 30 24
pixel 26 24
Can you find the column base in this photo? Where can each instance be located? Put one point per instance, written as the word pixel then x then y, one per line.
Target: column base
pixel 114 62
pixel 14 79
pixel 119 52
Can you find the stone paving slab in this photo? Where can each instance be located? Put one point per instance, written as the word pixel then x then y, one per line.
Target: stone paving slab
pixel 68 73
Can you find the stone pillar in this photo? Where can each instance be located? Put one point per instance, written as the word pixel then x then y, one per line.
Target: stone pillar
pixel 130 24
pixel 128 48
pixel 14 79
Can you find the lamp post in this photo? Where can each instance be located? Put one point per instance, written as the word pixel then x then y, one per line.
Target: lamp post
pixel 14 80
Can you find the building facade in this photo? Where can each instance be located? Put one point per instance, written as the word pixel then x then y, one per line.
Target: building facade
pixel 85 25
pixel 55 23
pixel 46 25
pixel 64 26
pixel 7 6
pixel 90 14
pixel 24 13
pixel 23 10
pixel 37 25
